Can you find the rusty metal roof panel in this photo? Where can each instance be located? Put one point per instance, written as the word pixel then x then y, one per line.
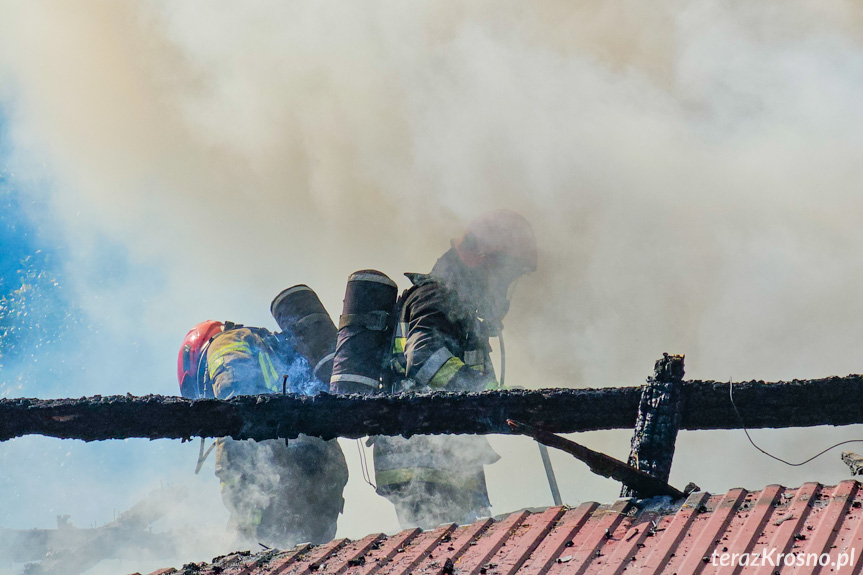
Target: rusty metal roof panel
pixel 560 539
pixel 532 532
pixel 775 528
pixel 353 554
pixel 419 549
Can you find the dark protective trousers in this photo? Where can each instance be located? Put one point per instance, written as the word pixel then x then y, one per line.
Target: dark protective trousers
pixel 281 495
pixel 278 492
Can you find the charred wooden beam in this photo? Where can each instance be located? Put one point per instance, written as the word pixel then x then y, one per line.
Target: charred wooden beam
pixel 637 481
pixel 270 416
pixel 799 403
pixel 658 420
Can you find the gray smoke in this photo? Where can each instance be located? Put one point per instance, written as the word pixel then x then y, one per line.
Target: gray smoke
pixel 691 170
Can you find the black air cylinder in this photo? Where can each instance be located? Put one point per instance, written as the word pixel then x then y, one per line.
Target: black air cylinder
pixel 301 315
pixel 365 333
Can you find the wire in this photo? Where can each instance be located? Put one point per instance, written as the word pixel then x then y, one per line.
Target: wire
pixel 364 464
pixel 770 455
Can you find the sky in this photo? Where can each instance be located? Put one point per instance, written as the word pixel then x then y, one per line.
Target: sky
pixel 692 170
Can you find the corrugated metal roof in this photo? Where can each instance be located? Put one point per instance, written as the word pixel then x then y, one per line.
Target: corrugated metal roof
pixel 624 537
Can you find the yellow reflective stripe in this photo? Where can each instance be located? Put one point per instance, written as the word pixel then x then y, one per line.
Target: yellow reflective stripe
pixel 447 371
pixel 236 346
pixel 401 337
pixel 271 377
pixel 219 355
pixel 387 477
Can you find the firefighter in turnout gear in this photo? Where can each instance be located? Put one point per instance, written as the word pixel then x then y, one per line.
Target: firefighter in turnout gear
pixel 279 492
pixel 441 342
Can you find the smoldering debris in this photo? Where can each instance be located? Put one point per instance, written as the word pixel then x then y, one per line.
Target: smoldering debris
pixel 70 550
pixel 853 461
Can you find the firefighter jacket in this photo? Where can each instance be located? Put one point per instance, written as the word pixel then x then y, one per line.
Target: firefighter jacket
pixel 437 345
pixel 278 492
pixel 244 361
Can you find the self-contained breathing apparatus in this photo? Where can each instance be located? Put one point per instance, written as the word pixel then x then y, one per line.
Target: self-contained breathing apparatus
pixel 307 331
pixel 365 334
pixel 370 337
pixel 306 328
pixel 310 330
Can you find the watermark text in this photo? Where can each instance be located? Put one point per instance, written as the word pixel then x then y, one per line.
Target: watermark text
pixel 773 558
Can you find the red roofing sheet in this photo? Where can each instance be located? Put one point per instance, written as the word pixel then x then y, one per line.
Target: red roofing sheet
pixel 812 529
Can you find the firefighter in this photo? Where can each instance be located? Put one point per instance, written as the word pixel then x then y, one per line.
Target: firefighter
pixel 441 342
pixel 279 492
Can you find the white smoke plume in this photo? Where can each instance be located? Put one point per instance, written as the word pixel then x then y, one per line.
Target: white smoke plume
pixel 691 169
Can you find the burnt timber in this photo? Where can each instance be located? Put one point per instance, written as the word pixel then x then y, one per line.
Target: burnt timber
pixel 705 405
pixel 658 421
pixel 639 482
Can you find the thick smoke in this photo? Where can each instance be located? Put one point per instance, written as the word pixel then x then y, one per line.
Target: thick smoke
pixel 690 168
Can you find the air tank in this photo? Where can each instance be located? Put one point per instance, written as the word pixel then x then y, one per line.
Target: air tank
pixel 365 333
pixel 310 329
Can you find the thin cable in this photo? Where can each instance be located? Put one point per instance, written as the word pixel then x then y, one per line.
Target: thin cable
pixel 364 464
pixel 770 455
pixel 362 460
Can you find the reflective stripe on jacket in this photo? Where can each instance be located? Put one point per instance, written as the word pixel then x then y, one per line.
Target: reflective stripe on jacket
pixel 455 460
pixel 437 343
pixel 240 362
pixel 436 346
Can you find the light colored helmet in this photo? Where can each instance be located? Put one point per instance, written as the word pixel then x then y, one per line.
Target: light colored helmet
pixel 501 232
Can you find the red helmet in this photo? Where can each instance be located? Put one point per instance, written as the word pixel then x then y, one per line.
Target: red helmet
pixel 190 357
pixel 503 232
